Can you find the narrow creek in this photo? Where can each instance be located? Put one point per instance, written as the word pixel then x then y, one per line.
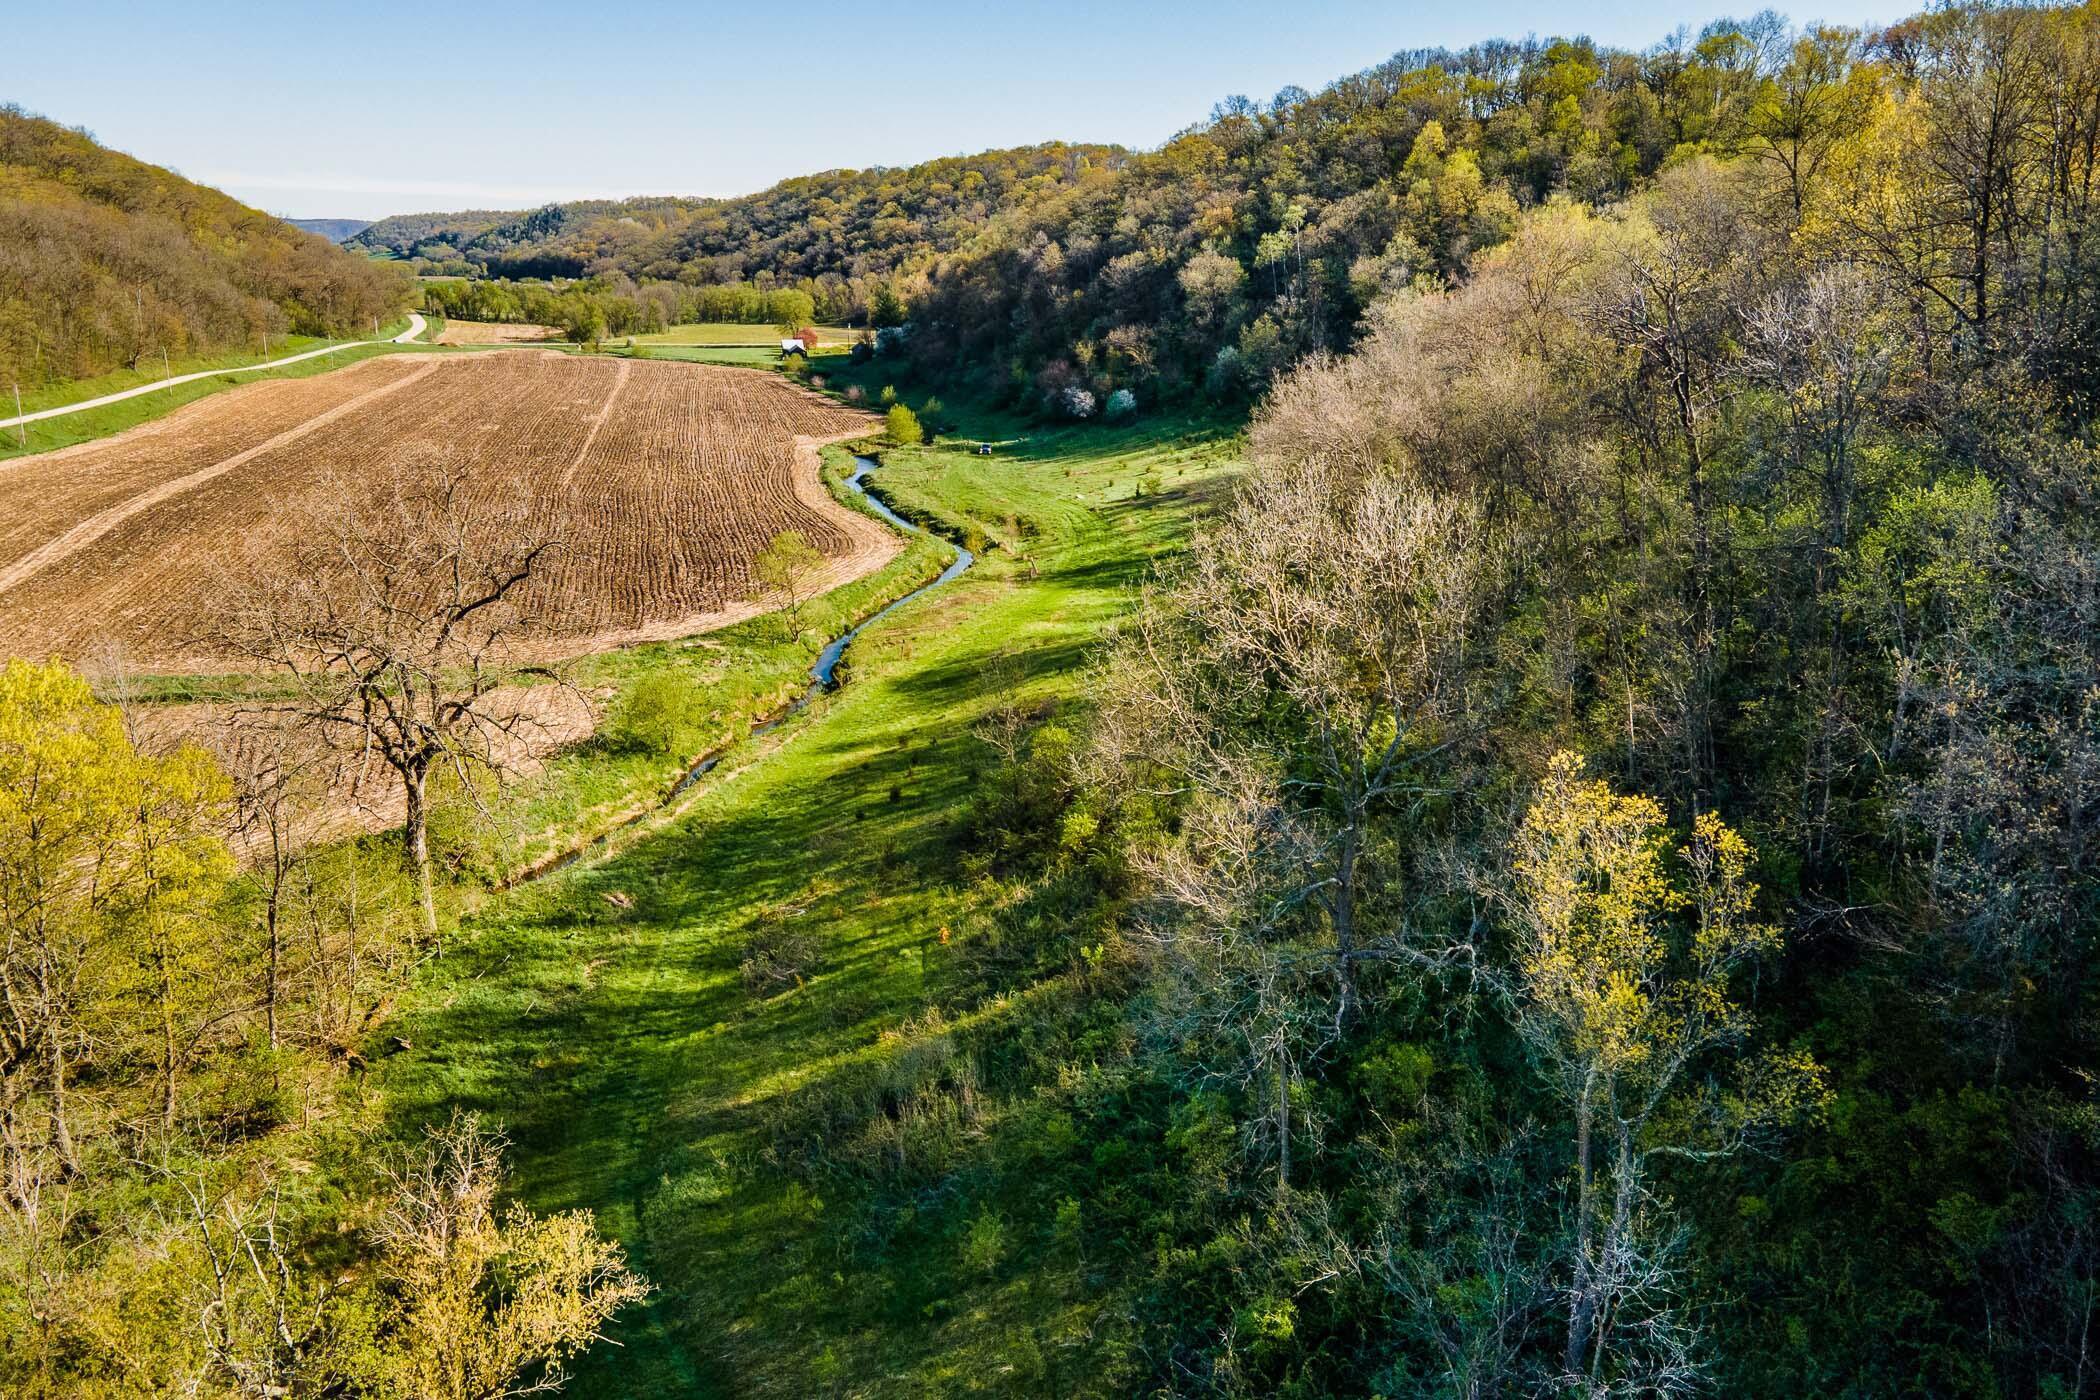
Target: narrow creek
pixel 823 676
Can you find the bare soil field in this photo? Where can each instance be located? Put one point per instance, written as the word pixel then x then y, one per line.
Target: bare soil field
pixel 661 482
pixel 494 333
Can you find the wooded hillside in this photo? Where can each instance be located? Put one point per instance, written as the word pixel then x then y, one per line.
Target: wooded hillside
pixel 1264 234
pixel 840 229
pixel 106 261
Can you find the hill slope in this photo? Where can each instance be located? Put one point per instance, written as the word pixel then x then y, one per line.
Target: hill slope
pixel 107 261
pixel 840 223
pixel 334 230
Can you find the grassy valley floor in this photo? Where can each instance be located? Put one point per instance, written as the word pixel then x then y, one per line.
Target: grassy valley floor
pixel 601 1017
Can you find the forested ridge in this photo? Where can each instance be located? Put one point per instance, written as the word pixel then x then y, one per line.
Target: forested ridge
pixel 106 262
pixel 837 233
pixel 1576 878
pixel 1265 234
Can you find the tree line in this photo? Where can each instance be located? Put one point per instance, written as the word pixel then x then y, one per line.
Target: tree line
pixel 625 308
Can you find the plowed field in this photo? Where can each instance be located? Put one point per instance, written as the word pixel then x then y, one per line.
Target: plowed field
pixel 661 481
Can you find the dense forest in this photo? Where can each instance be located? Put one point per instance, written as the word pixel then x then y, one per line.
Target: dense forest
pixel 107 262
pixel 1579 881
pixel 838 235
pixel 1265 234
pixel 1604 824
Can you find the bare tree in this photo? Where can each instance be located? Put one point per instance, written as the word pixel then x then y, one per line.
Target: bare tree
pixel 394 628
pixel 261 1317
pixel 1825 347
pixel 1306 680
pixel 280 786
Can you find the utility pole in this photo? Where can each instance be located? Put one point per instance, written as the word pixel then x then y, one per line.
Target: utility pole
pixel 165 372
pixel 22 428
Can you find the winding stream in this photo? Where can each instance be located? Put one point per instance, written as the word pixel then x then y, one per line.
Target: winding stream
pixel 823 676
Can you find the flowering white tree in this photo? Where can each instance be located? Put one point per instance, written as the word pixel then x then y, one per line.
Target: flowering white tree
pixel 1076 402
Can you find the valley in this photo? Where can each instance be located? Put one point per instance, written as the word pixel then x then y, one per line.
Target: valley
pixel 1436 737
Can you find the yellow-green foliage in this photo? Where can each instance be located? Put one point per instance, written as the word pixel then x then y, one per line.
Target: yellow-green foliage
pixel 1619 988
pixel 904 429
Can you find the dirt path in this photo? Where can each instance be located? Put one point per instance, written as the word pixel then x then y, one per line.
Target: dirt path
pixel 604 412
pixel 415 328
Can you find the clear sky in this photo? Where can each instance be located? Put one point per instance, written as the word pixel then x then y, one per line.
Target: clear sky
pixel 362 108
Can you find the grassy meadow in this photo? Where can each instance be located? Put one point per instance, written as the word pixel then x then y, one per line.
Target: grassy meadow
pixel 601 1014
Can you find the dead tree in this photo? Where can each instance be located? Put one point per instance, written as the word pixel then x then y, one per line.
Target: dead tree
pixel 393 625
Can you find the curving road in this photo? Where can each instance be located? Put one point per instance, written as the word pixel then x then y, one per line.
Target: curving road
pixel 415 328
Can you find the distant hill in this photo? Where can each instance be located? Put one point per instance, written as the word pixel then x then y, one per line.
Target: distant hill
pixel 335 230
pixel 107 261
pixel 843 224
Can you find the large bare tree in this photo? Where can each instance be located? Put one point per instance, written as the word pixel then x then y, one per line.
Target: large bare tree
pixel 1311 674
pixel 394 623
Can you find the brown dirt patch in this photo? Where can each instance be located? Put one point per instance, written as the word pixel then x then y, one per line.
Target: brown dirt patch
pixel 495 333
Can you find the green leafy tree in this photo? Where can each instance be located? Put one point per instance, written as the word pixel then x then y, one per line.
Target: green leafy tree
pixel 110 866
pixel 903 428
pixel 784 566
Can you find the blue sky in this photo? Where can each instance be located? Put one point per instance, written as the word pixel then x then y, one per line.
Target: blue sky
pixel 361 108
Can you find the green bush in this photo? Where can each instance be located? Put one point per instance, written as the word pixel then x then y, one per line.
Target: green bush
pixel 904 429
pixel 656 716
pixel 984 1243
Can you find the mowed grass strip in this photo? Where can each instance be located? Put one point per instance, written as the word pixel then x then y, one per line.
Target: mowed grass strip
pixel 601 1016
pixel 729 333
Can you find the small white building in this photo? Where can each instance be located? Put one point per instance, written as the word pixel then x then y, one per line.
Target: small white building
pixel 792 346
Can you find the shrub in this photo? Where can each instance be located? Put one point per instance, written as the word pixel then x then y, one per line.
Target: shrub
pixel 776 957
pixel 904 429
pixel 655 716
pixel 1121 404
pixel 984 1243
pixel 1075 402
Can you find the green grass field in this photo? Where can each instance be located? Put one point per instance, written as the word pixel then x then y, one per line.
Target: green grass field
pixel 618 1045
pixel 719 333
